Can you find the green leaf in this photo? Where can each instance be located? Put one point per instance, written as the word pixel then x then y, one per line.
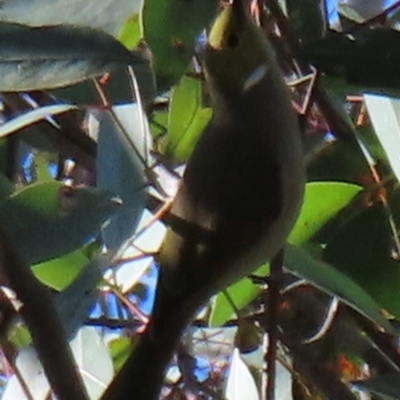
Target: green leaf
pixel 55 56
pixel 59 272
pixel 130 33
pixel 158 125
pixel 6 188
pixel 49 219
pixel 187 119
pixel 335 283
pixel 362 250
pixel 120 349
pixel 19 336
pixel 241 293
pixel 170 28
pixel 322 201
pixel 341 161
pixel 41 162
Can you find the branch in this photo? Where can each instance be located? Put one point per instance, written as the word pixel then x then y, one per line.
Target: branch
pixel 42 320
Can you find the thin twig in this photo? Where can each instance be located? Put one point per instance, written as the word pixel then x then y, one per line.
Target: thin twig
pixel 325 14
pixel 126 139
pixel 133 308
pixel 273 295
pixel 135 258
pixel 161 212
pixel 111 323
pixel 143 125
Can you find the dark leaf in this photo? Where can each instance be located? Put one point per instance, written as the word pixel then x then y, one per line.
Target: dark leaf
pixel 383 385
pixel 369 57
pixel 368 259
pixel 54 56
pixel 334 282
pixel 46 220
pixel 107 15
pixel 170 28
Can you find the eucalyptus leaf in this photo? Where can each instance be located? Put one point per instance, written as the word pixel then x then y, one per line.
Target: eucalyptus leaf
pixel 130 33
pixel 91 357
pixel 93 360
pixel 361 10
pixel 170 28
pixel 107 15
pixel 120 349
pixel 60 272
pixel 187 119
pixel 322 201
pixel 75 301
pixel 240 293
pixel 368 260
pixel 31 371
pixel 117 87
pixel 45 57
pixel 240 380
pixel 335 283
pixel 367 57
pixel 384 114
pixel 6 188
pixel 46 220
pixel 31 117
pixel 121 167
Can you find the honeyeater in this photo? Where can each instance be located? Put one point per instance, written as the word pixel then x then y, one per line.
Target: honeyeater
pixel 238 200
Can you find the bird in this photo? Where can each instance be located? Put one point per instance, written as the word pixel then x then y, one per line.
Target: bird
pixel 239 197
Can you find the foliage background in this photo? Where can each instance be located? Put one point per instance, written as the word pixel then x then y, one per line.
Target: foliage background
pixel 87 163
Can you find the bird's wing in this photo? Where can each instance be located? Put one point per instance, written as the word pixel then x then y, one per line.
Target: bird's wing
pixel 223 206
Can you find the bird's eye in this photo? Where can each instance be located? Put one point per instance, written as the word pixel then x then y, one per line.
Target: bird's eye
pixel 232 40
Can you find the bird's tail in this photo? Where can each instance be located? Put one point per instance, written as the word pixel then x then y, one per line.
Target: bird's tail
pixel 141 376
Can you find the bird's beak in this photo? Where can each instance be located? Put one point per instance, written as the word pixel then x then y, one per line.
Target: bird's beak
pixel 232 13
